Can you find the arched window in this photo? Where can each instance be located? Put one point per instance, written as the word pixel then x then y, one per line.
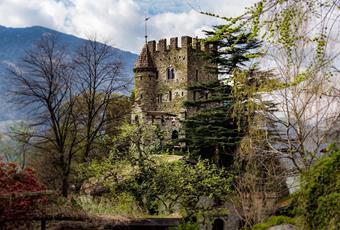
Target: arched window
pixel 170 73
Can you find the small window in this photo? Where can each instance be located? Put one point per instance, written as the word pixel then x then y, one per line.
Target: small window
pixel 174 135
pixel 170 96
pixel 157 74
pixel 196 75
pixel 182 93
pixel 141 96
pixel 160 98
pixel 170 73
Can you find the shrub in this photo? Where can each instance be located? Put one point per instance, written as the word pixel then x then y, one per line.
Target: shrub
pixel 320 194
pixel 274 220
pixel 17 192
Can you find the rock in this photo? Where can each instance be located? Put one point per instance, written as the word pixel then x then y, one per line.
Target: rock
pixel 283 227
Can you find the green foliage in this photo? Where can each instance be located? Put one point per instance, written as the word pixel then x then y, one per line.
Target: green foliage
pixel 274 220
pixel 159 184
pixel 166 188
pixel 187 226
pixel 122 204
pixel 320 194
pixel 14 146
pixel 213 132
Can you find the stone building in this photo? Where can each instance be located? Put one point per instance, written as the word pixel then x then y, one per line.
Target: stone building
pixel 163 74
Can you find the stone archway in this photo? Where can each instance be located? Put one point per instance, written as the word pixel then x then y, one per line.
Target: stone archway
pixel 218 224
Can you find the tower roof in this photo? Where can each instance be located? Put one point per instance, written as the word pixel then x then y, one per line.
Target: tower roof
pixel 144 61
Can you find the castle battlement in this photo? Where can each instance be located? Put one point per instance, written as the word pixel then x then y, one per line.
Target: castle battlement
pixel 186 43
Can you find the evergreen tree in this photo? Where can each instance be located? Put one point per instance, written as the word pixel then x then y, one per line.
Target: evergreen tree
pixel 214 132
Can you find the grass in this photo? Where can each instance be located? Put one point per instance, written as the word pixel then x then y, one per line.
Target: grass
pixel 124 205
pixel 275 220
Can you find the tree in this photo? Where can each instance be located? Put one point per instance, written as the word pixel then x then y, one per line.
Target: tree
pixel 319 197
pixel 213 132
pixel 44 82
pixel 300 39
pixel 71 98
pixel 20 135
pixel 99 81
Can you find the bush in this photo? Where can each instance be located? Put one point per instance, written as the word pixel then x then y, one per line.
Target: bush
pixel 17 192
pixel 320 194
pixel 274 220
pixel 122 204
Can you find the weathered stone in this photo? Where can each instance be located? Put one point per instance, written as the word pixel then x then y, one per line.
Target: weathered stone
pixel 283 227
pixel 162 78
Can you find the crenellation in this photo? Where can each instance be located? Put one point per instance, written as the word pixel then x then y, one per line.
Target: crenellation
pixel 152 46
pixel 174 43
pixel 186 42
pixel 162 45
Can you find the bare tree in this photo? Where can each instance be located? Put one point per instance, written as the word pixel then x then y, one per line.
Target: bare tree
pixel 99 83
pixel 71 96
pixel 44 83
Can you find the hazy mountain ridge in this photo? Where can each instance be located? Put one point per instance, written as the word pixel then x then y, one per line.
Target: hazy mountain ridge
pixel 14 42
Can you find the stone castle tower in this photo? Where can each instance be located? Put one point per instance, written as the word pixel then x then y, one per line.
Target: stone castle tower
pixel 162 77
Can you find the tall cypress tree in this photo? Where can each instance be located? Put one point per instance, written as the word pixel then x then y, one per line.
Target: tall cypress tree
pixel 214 132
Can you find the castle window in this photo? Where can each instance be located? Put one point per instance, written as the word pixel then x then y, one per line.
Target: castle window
pixel 174 135
pixel 170 73
pixel 141 96
pixel 196 75
pixel 157 74
pixel 170 96
pixel 160 98
pixel 182 93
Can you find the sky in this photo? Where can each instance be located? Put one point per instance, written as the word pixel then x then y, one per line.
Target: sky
pixel 120 22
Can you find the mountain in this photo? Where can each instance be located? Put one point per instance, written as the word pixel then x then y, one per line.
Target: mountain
pixel 14 42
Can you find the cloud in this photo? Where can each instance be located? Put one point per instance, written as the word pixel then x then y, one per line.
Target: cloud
pixel 119 21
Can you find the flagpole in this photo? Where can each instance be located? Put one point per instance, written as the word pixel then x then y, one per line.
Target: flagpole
pixel 146 28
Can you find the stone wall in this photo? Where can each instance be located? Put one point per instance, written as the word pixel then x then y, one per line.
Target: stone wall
pixel 167 95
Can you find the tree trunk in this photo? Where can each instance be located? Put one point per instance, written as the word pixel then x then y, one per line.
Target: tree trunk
pixel 65 186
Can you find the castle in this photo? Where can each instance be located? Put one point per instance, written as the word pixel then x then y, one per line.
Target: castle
pixel 162 77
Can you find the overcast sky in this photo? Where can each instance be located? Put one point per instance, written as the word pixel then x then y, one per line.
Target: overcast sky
pixel 121 22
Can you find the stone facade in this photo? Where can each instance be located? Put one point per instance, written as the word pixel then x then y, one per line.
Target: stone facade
pixel 163 74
